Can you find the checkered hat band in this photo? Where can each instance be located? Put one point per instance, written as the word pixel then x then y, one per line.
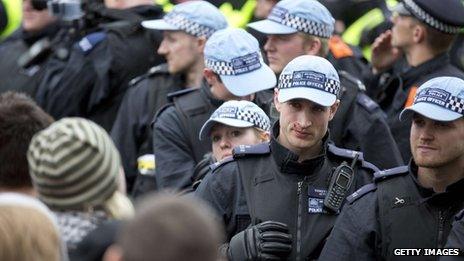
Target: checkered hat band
pixel 287 81
pixel 237 66
pixel 428 19
pixel 253 117
pixel 188 26
pixel 282 16
pixel 442 99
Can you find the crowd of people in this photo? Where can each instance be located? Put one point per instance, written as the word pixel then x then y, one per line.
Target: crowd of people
pixel 135 131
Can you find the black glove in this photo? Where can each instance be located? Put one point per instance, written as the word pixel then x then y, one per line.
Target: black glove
pixel 269 240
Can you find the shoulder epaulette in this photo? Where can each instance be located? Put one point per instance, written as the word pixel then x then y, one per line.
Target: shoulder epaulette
pixel 244 150
pixel 361 192
pixel 162 68
pixel 89 42
pixel 215 165
pixel 173 95
pixel 459 215
pixel 366 102
pixel 388 173
pixel 350 154
pixel 352 79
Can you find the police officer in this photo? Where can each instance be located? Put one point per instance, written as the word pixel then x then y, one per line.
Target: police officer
pixel 422 32
pixel 410 206
pixel 91 79
pixel 297 27
pixel 10 17
pixel 281 186
pixel 456 239
pixel 25 52
pixel 234 70
pixel 183 49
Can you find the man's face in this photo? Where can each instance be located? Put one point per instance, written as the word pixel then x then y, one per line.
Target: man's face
pixel 436 143
pixel 303 124
pixel 282 48
pixel 224 138
pixel 34 20
pixel 402 30
pixel 181 51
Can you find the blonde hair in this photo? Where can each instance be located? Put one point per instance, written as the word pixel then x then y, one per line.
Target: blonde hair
pixel 118 206
pixel 261 134
pixel 27 234
pixel 324 50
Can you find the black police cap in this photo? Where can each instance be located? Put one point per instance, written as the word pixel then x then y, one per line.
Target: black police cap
pixel 444 15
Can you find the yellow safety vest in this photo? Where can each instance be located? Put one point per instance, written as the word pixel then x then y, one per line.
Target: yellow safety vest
pixel 235 17
pixel 369 20
pixel 14 15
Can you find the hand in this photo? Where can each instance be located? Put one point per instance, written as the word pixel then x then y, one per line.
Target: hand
pixel 384 55
pixel 269 240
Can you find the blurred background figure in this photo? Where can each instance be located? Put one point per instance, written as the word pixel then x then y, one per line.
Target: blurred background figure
pixel 76 171
pixel 28 230
pixel 169 228
pixel 20 120
pixel 25 52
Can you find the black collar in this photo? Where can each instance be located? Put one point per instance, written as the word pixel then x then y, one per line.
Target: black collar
pixel 206 90
pixel 287 160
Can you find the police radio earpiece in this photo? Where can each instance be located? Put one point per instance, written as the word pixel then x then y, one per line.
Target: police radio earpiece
pixel 340 183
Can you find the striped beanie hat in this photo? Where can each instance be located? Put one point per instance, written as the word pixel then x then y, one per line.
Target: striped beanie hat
pixel 73 164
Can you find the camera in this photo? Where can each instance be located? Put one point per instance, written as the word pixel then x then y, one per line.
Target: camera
pixel 66 10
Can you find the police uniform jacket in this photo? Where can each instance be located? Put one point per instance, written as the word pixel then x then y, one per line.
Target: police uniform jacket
pixel 361 125
pixel 92 79
pixel 393 212
pixel 131 131
pixel 266 182
pixel 456 238
pixel 13 76
pixel 399 90
pixel 175 134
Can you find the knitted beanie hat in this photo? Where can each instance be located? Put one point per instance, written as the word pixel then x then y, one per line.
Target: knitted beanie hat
pixel 73 164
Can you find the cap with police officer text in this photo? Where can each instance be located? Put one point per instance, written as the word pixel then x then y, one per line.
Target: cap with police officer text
pixel 235 56
pixel 240 114
pixel 446 16
pixel 197 18
pixel 291 16
pixel 440 99
pixel 309 77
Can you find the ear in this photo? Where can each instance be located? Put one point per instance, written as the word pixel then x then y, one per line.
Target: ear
pixel 210 76
pixel 201 42
pixel 277 104
pixel 113 253
pixel 312 46
pixel 333 109
pixel 264 136
pixel 419 33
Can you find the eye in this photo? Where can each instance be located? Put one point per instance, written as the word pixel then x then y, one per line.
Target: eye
pixel 419 122
pixel 318 108
pixel 215 138
pixel 442 124
pixel 236 133
pixel 295 105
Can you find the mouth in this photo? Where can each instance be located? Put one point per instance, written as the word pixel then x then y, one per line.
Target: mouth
pixel 301 134
pixel 425 148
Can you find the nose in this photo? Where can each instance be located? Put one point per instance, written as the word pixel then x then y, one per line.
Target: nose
pixel 162 49
pixel 304 120
pixel 269 46
pixel 427 132
pixel 225 144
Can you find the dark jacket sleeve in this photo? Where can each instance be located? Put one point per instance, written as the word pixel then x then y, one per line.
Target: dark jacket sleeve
pixel 456 240
pixel 374 137
pixel 129 129
pixel 223 191
pixel 355 233
pixel 174 161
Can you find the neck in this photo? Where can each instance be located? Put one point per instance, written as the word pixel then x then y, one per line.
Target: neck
pixel 440 178
pixel 194 76
pixel 303 154
pixel 419 54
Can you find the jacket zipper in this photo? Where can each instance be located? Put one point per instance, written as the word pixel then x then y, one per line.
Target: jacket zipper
pixel 441 221
pixel 298 228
